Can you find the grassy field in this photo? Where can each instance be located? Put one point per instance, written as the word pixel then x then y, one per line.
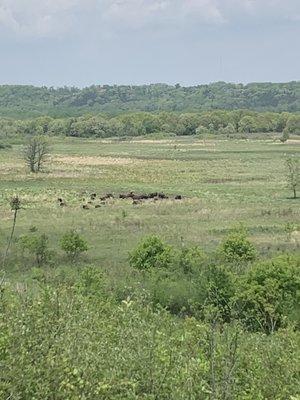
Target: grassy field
pixel 223 183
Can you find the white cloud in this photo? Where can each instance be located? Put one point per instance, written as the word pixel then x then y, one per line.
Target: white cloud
pixel 56 17
pixel 140 12
pixel 38 17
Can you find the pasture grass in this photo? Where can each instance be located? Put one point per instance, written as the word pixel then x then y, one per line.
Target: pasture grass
pixel 224 183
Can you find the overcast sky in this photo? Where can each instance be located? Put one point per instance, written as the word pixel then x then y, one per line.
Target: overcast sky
pixel 84 42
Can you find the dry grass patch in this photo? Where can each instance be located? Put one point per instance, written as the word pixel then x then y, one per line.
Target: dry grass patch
pixel 151 141
pixel 94 161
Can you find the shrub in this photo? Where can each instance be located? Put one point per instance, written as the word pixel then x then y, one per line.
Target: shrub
pixel 36 245
pixel 228 130
pixel 237 248
pixel 151 252
pixel 269 294
pixel 219 290
pixel 285 136
pixel 73 244
pixel 190 259
pixel 173 292
pixel 91 282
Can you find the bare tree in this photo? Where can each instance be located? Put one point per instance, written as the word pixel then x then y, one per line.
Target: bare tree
pixel 293 174
pixel 35 152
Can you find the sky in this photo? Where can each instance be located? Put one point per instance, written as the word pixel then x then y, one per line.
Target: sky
pixel 86 42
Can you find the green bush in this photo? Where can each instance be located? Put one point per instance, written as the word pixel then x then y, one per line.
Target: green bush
pixel 269 294
pixel 36 245
pixel 91 282
pixel 73 244
pixel 191 259
pixel 219 290
pixel 237 248
pixel 60 343
pixel 151 252
pixel 285 136
pixel 173 291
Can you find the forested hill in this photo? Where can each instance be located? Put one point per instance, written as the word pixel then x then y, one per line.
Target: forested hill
pixel 30 101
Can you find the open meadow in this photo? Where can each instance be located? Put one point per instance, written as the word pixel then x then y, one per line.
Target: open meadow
pixel 200 309
pixel 223 183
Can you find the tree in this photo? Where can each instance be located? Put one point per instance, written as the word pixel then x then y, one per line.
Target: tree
pixel 248 124
pixel 293 174
pixel 35 152
pixel 293 124
pixel 285 136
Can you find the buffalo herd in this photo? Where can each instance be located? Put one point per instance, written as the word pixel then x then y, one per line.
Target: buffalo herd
pixel 134 197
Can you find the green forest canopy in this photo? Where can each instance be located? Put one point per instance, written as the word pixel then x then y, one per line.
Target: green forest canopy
pixel 29 101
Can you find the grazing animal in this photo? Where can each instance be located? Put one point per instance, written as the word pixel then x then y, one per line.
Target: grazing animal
pixel 85 207
pixel 109 196
pixel 62 204
pixel 127 195
pixel 93 196
pixel 97 206
pixel 178 197
pixel 137 197
pixel 162 196
pixel 60 200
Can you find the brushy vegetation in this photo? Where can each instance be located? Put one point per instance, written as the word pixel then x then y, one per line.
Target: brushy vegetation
pixel 225 124
pixel 161 300
pixel 206 332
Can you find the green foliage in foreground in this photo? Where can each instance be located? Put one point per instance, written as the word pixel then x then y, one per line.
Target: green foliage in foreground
pixel 178 325
pixel 269 294
pixel 69 340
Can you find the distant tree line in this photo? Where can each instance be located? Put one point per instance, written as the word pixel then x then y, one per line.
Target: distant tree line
pixel 223 123
pixel 30 101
